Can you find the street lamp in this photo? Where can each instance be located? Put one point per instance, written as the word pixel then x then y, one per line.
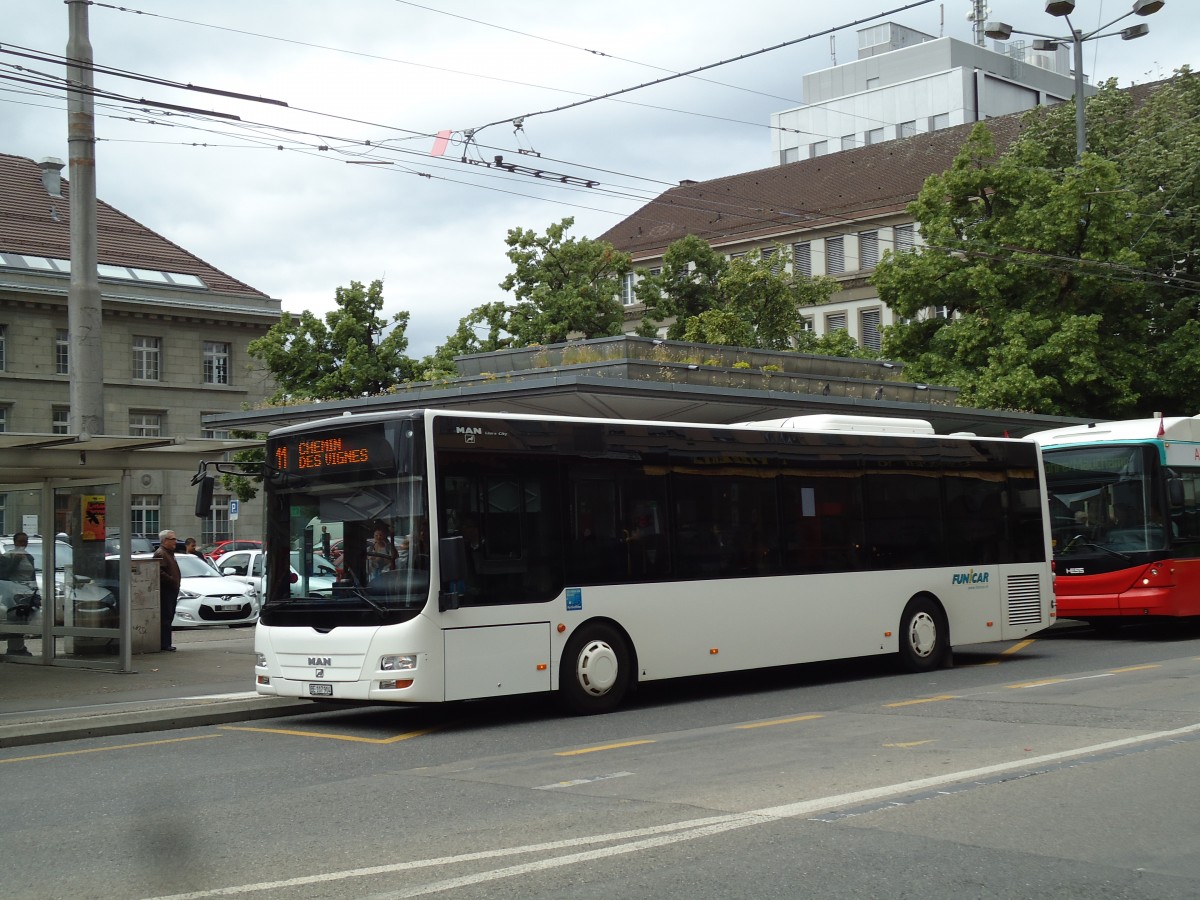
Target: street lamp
pixel 1001 31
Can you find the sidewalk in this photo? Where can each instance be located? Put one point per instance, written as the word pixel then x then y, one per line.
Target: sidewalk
pixel 208 680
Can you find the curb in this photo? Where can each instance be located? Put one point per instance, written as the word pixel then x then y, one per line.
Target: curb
pixel 161 716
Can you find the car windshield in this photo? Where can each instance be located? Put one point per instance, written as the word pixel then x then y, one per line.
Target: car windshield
pixel 194 567
pixel 63 554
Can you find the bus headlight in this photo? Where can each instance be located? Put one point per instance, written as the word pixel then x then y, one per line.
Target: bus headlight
pixel 398 663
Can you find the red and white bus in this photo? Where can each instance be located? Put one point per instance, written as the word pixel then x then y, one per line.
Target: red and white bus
pixel 1125 518
pixel 493 554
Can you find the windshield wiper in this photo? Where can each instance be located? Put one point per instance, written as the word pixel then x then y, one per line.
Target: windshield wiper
pixel 383 613
pixel 1084 542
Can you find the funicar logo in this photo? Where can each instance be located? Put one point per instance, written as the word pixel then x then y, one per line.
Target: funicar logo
pixel 970 577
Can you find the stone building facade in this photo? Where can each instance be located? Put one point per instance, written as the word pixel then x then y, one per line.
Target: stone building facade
pixel 175 331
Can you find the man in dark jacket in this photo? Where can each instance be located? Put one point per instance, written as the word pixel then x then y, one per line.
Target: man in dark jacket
pixel 168 585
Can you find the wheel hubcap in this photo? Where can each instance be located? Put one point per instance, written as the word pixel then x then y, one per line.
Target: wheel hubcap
pixel 922 635
pixel 597 668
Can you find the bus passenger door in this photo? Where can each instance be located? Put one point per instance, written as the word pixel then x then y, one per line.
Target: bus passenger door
pixel 498 661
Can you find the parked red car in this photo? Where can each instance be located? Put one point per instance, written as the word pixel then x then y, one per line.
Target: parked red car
pixel 217 550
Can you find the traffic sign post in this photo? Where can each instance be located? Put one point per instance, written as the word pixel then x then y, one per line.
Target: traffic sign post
pixel 233 514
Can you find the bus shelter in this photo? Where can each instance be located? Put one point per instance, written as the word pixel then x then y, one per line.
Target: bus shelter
pixel 71 495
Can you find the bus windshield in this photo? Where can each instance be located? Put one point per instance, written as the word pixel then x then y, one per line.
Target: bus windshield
pixel 356 497
pixel 1102 500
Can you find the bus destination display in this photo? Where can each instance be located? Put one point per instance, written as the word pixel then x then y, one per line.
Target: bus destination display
pixel 355 450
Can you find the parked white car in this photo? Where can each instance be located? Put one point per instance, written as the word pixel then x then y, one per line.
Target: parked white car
pixel 206 597
pixel 250 566
pixel 94 605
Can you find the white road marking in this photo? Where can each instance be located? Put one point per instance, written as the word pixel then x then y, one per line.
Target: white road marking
pixel 661 835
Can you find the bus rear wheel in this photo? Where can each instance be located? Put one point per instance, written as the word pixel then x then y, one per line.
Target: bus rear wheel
pixel 924 636
pixel 596 670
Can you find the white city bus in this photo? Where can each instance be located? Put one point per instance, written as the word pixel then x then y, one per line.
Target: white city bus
pixel 585 556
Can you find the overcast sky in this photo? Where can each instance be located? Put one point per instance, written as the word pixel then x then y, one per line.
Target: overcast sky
pixel 299 222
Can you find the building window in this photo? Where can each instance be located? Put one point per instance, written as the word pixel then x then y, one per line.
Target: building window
pixel 145 510
pixel 216 363
pixel 875 136
pixel 869 329
pixel 802 259
pixel 904 236
pixel 3 348
pixel 940 121
pixel 62 351
pixel 146 352
pixel 216 526
pixel 145 424
pixel 806 324
pixel 848 142
pixel 941 312
pixel 628 289
pixel 868 249
pixel 791 155
pixel 3 418
pixel 769 254
pixel 835 322
pixel 818 148
pixel 219 433
pixel 60 420
pixel 835 255
pixel 906 129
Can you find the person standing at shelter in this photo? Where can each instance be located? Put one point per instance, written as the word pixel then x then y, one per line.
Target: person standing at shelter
pixel 168 585
pixel 18 567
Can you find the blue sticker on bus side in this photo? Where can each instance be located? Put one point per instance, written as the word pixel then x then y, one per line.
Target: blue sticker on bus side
pixel 574 598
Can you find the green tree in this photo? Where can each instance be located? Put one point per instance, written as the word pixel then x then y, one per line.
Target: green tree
pixel 1069 285
pixel 750 301
pixel 352 352
pixel 564 288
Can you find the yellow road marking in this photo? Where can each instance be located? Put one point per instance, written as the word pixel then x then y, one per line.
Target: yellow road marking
pixel 1137 668
pixel 334 737
pixel 1017 647
pixel 198 737
pixel 780 721
pixel 908 744
pixel 604 747
pixel 924 700
pixel 1029 684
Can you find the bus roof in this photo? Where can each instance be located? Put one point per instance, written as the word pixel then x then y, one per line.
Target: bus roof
pixel 831 422
pixel 1176 428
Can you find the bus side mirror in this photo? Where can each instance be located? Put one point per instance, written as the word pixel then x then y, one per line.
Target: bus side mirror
pixel 452 560
pixel 204 495
pixel 1175 492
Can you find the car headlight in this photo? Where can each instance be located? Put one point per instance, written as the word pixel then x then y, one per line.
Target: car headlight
pixel 188 595
pixel 398 663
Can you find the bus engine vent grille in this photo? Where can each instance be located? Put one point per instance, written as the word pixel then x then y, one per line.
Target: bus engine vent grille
pixel 1024 600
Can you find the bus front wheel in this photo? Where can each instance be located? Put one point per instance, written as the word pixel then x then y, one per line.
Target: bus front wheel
pixel 596 670
pixel 924 636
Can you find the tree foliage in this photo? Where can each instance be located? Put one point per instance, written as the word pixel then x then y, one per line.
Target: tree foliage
pixel 750 301
pixel 1068 285
pixel 353 351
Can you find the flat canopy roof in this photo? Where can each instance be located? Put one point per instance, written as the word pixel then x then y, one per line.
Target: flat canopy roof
pixel 31 458
pixel 576 394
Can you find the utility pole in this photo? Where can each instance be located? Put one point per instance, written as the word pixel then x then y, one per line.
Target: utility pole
pixel 83 300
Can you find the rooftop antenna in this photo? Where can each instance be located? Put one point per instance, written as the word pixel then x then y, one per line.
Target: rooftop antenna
pixel 833 48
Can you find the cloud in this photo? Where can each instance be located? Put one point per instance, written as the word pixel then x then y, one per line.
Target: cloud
pixel 298 223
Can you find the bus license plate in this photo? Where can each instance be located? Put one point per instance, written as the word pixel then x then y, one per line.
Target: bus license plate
pixel 320 690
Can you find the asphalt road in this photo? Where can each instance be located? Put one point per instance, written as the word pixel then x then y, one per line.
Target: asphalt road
pixel 1060 767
